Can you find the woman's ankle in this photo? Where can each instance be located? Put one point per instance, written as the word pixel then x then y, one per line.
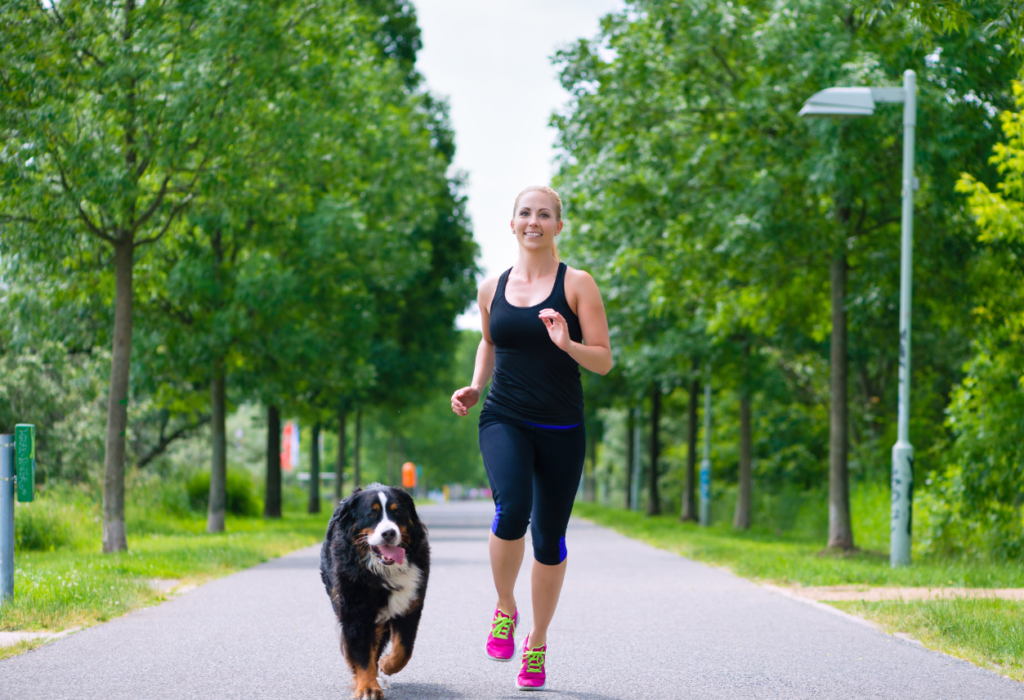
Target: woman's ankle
pixel 507 606
pixel 537 639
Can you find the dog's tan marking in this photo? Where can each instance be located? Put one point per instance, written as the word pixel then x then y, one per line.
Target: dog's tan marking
pixel 360 538
pixel 397 659
pixel 367 687
pixel 394 507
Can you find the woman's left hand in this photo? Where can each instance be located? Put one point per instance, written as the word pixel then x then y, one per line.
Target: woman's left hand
pixel 558 329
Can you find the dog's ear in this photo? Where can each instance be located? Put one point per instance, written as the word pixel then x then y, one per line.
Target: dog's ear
pixel 410 505
pixel 344 514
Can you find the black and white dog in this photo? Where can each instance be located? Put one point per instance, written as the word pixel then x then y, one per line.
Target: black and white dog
pixel 375 562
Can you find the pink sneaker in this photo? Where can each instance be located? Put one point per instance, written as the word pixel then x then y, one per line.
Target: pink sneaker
pixel 531 675
pixel 501 642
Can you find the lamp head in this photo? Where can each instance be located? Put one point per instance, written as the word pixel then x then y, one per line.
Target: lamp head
pixel 840 102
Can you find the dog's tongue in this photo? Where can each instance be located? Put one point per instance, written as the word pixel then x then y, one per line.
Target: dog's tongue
pixel 396 553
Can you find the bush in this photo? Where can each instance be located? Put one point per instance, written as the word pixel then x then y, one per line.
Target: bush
pixel 241 493
pixel 39 527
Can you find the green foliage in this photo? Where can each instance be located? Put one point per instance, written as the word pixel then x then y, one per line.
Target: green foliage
pixel 710 215
pixel 62 395
pixel 241 493
pixel 40 527
pixel 978 498
pixel 275 179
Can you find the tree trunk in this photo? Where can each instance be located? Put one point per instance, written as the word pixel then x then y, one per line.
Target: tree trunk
pixel 272 499
pixel 741 521
pixel 840 533
pixel 339 467
pixel 355 449
pixel 630 456
pixel 115 537
pixel 314 470
pixel 653 504
pixel 689 510
pixel 219 462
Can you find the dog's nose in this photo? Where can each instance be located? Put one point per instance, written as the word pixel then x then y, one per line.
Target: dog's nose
pixel 389 536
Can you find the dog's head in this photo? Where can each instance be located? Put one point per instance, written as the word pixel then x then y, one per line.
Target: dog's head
pixel 381 522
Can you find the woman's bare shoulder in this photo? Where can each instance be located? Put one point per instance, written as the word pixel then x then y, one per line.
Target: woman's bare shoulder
pixel 579 281
pixel 485 292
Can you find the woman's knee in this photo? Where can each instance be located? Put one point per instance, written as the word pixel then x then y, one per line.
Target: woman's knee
pixel 511 519
pixel 549 550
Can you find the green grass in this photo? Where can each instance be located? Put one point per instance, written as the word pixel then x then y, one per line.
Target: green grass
pixel 765 556
pixel 74 584
pixel 985 631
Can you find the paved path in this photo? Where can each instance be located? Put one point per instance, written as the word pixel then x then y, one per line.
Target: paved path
pixel 634 622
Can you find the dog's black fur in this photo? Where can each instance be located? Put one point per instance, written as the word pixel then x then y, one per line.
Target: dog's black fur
pixel 375 602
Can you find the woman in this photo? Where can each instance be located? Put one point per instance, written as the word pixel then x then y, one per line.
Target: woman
pixel 541 321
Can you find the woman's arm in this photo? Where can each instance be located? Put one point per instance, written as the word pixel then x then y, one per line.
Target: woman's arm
pixel 468 396
pixel 595 352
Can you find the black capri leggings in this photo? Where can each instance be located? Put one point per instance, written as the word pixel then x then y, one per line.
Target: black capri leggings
pixel 534 472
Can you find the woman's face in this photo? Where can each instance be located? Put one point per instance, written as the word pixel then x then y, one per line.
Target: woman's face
pixel 534 222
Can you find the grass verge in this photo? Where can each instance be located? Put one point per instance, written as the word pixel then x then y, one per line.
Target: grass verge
pixel 77 586
pixel 985 631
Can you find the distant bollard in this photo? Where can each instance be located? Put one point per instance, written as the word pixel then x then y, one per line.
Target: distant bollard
pixel 704 509
pixel 25 451
pixel 6 517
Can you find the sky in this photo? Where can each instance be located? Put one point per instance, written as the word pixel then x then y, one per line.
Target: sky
pixel 491 60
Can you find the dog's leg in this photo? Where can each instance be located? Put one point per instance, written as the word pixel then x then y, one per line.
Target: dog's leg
pixel 403 637
pixel 362 648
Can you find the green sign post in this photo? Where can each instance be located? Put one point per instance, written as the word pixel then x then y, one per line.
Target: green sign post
pixel 25 457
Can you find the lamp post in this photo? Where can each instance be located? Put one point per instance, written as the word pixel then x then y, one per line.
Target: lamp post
pixel 860 101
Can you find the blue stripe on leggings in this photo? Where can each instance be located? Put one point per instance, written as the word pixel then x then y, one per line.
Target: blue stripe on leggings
pixel 555 427
pixel 497 512
pixel 562 551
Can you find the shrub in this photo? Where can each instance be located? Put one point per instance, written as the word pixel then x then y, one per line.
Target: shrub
pixel 241 493
pixel 39 527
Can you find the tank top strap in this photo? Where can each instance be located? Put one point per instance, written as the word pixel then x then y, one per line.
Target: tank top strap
pixel 560 283
pixel 499 292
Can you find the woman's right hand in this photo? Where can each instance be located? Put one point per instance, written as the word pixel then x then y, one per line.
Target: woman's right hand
pixel 464 399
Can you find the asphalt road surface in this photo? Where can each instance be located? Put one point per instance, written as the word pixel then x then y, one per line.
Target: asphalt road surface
pixel 634 622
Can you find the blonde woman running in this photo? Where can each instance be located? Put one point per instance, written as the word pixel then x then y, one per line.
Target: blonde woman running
pixel 542 320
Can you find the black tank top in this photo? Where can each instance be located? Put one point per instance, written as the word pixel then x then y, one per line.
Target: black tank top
pixel 534 380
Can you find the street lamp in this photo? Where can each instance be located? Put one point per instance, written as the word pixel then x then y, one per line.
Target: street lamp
pixel 860 101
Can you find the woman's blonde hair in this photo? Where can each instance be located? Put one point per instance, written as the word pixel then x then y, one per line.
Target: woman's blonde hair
pixel 558 207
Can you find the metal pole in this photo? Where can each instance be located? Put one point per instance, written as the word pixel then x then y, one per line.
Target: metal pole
pixel 634 485
pixel 704 514
pixel 6 517
pixel 902 451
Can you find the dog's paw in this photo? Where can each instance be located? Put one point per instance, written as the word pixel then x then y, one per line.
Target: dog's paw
pixel 384 680
pixel 369 694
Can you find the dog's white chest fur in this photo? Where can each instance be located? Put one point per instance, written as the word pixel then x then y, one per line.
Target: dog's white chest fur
pixel 404 582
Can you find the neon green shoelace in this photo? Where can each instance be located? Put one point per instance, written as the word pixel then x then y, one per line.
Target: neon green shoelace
pixel 501 627
pixel 534 660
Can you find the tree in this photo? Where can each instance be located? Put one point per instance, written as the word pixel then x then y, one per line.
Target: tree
pixel 114 113
pixel 721 219
pixel 978 508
